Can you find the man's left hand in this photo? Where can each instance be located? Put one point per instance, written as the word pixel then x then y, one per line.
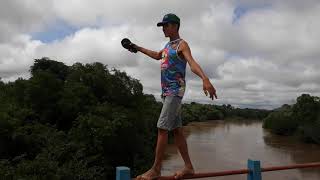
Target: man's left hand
pixel 208 88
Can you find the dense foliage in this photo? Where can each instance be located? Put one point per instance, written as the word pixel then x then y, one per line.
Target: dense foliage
pixel 301 119
pixel 81 121
pixel 73 122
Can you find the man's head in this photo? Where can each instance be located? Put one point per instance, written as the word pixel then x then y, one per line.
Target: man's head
pixel 170 24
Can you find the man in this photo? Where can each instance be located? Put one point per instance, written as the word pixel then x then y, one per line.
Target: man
pixel 174 58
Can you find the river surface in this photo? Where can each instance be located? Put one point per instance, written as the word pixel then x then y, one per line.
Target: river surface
pixel 220 146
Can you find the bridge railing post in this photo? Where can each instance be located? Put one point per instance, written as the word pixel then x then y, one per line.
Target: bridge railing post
pixel 254 170
pixel 123 173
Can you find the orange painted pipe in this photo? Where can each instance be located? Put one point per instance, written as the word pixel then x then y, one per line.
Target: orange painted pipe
pixel 242 171
pixel 208 174
pixel 295 166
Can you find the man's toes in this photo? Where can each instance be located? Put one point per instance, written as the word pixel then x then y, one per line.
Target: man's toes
pixel 177 175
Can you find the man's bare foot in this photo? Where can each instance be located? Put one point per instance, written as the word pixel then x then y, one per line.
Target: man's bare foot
pixel 185 171
pixel 149 175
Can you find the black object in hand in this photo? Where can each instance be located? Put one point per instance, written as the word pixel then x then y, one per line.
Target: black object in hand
pixel 126 43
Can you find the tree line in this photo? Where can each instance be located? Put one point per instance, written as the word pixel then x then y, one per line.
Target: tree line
pixel 301 119
pixel 83 120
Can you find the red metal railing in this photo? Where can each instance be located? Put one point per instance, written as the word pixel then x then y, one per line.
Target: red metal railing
pixel 243 171
pixel 254 171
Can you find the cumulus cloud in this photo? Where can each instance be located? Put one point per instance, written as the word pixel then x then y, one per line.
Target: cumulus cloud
pixel 23 17
pixel 16 56
pixel 257 53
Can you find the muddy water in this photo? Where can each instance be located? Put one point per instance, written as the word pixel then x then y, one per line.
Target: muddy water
pixel 219 146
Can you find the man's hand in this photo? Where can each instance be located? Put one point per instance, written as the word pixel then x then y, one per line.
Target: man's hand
pixel 208 88
pixel 133 48
pixel 126 43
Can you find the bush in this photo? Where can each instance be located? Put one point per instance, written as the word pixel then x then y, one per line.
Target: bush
pixel 281 122
pixel 302 119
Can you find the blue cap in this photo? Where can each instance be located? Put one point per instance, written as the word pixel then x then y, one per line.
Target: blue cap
pixel 169 18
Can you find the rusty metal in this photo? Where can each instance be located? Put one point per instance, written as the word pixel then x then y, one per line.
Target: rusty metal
pixel 242 171
pixel 296 166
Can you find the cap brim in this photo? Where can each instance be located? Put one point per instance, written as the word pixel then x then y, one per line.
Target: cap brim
pixel 162 23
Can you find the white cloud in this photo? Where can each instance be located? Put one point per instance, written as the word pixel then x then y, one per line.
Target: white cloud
pixel 17 56
pixel 266 57
pixel 18 17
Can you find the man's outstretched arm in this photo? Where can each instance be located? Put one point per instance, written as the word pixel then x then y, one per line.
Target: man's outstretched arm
pixel 153 54
pixel 195 68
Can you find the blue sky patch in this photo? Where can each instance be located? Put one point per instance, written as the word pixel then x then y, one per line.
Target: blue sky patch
pixel 57 30
pixel 241 10
pixel 60 29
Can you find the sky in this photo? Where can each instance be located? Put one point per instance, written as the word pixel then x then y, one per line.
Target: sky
pixel 257 54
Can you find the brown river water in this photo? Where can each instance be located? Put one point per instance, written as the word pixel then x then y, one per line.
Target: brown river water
pixel 221 146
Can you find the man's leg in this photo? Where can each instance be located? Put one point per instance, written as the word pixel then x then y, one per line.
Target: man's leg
pixel 155 170
pixel 161 146
pixel 181 143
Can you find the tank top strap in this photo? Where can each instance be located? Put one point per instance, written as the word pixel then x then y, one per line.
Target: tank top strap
pixel 177 50
pixel 170 43
pixel 179 44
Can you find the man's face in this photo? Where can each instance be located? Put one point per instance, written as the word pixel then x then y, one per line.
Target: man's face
pixel 169 29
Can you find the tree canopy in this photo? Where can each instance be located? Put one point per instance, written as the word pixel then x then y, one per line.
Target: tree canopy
pixel 73 122
pixel 301 119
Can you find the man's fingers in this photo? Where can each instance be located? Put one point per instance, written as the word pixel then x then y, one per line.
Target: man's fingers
pixel 213 95
pixel 205 92
pixel 211 90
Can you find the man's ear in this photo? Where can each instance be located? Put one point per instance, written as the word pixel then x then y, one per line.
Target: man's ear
pixel 177 27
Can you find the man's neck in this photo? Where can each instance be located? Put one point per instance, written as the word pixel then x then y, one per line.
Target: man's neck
pixel 175 37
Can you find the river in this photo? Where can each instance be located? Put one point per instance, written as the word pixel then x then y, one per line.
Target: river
pixel 220 146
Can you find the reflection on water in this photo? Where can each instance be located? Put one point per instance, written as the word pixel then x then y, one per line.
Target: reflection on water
pixel 219 146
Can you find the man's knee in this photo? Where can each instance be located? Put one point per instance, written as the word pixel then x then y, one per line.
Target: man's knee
pixel 178 132
pixel 162 131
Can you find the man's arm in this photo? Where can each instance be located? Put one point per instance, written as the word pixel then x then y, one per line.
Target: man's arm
pixel 153 54
pixel 195 68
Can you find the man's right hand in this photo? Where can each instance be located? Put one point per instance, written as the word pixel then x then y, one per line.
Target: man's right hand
pixel 127 44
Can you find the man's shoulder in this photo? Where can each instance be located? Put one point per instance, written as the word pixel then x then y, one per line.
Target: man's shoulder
pixel 184 44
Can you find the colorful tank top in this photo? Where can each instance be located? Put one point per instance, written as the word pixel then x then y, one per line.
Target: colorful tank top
pixel 173 70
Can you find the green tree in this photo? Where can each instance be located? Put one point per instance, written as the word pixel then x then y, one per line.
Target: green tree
pixel 301 119
pixel 281 121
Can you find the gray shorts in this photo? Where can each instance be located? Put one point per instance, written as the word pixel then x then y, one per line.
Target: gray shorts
pixel 170 116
